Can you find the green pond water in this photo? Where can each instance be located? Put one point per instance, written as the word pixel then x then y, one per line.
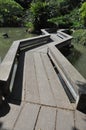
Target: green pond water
pixel 14 34
pixel 78 58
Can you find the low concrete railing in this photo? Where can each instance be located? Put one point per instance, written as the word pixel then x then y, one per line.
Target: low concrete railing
pixel 6 68
pixel 33 42
pixel 73 79
pixel 7 65
pixel 63 39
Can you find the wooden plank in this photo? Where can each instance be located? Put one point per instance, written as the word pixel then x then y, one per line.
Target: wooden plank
pixel 46 119
pixel 74 80
pixel 71 73
pixel 46 96
pixel 55 83
pixel 35 41
pixel 30 81
pixel 27 118
pixel 8 61
pixel 43 49
pixel 63 75
pixel 80 120
pixel 56 38
pixel 40 49
pixel 65 120
pixel 9 116
pixel 67 36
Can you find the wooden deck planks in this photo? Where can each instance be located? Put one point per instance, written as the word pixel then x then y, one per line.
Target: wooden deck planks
pixel 9 117
pixel 28 117
pixel 71 74
pixel 30 81
pixel 65 120
pixel 56 38
pixel 41 85
pixel 80 120
pixel 55 84
pixel 46 119
pixel 46 96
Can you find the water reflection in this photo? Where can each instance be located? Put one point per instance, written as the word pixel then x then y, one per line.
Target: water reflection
pixel 74 56
pixel 78 58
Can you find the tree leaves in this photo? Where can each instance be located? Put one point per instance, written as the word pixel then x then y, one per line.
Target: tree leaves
pixel 10 12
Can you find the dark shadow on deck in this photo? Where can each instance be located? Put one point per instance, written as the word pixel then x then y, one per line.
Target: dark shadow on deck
pixel 74 128
pixel 34 46
pixel 16 94
pixel 82 102
pixel 1 126
pixel 4 109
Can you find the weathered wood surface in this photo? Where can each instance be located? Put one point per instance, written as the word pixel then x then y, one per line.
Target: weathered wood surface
pixel 58 91
pixel 55 38
pixel 27 118
pixel 30 80
pixel 65 120
pixel 80 120
pixel 41 83
pixel 6 69
pixel 9 115
pixel 46 96
pixel 34 42
pixel 8 61
pixel 46 119
pixel 73 76
pixel 45 105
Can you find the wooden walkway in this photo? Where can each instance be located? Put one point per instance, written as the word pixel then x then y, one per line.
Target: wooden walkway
pixel 39 100
pixel 44 102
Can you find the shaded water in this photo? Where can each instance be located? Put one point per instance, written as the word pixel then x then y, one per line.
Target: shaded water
pixel 78 58
pixel 14 34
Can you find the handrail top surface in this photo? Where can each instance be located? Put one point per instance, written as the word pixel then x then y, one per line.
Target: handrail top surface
pixel 33 38
pixel 69 69
pixel 6 64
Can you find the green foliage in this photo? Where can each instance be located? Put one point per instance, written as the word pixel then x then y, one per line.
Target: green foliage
pixel 64 7
pixel 83 13
pixel 62 21
pixel 69 20
pixel 40 14
pixel 74 17
pixel 54 9
pixel 64 13
pixel 79 36
pixel 10 13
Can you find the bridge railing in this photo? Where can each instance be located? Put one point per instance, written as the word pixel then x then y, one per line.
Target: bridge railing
pixel 6 68
pixel 75 82
pixel 65 39
pixel 7 65
pixel 34 42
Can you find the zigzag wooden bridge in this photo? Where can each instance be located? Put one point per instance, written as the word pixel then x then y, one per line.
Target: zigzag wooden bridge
pixel 44 91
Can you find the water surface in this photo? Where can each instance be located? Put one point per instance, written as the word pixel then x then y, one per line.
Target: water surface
pixel 14 34
pixel 78 58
